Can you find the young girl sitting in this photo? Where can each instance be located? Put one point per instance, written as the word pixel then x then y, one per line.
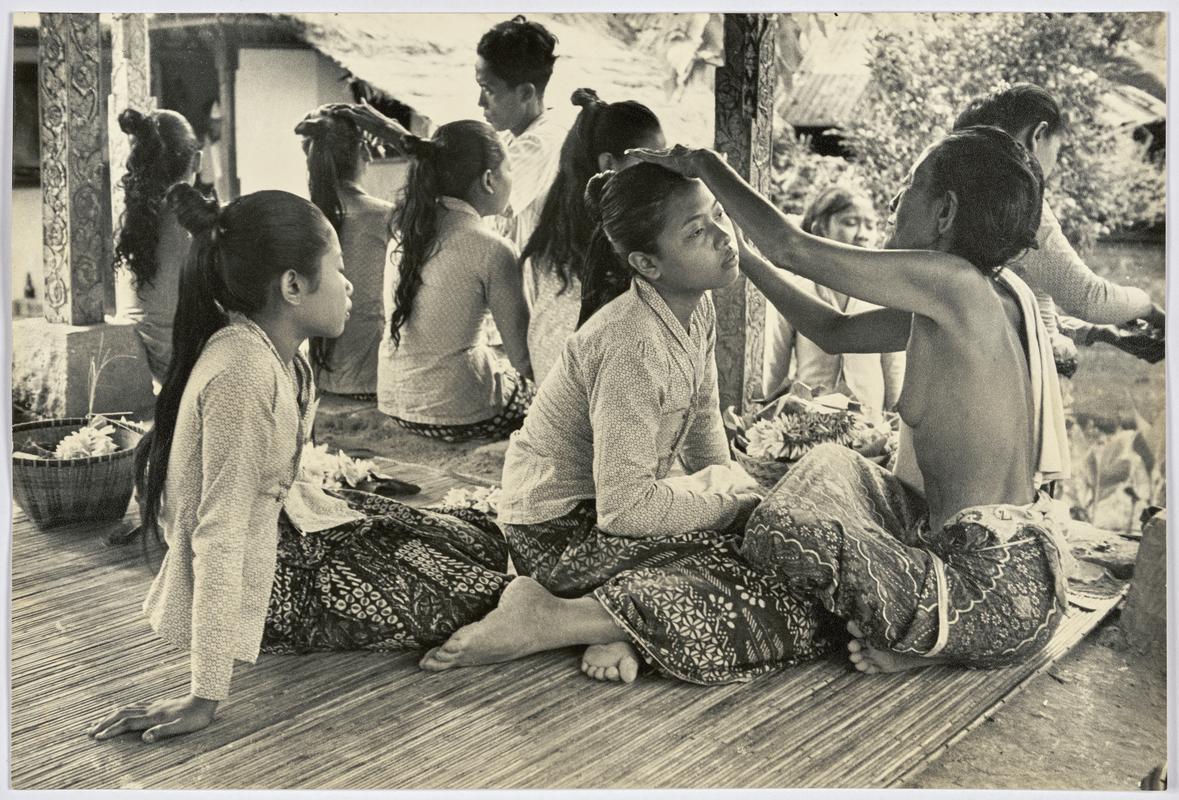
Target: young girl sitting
pixel 618 553
pixel 256 559
pixel 336 158
pixel 151 244
pixel 556 251
pixel 843 215
pixel 438 375
pixel 956 557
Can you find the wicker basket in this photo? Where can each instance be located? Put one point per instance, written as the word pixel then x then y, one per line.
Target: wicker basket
pixel 763 470
pixel 57 491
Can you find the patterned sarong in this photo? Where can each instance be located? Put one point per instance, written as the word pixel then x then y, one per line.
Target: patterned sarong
pixel 399 578
pixel 986 590
pixel 690 604
pixel 498 427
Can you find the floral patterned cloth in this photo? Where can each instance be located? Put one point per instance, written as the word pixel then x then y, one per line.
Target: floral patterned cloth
pixel 690 604
pixel 986 590
pixel 399 578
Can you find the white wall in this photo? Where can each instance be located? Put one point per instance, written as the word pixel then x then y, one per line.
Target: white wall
pixel 274 89
pixel 26 240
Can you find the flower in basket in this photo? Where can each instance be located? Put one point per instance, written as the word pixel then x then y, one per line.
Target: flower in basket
pixel 786 428
pixel 87 441
pixel 764 439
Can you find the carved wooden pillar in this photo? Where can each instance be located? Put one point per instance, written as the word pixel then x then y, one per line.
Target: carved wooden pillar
pixel 744 134
pixel 225 59
pixel 130 88
pixel 75 187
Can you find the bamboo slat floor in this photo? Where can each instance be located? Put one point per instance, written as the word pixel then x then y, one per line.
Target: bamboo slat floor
pixel 369 720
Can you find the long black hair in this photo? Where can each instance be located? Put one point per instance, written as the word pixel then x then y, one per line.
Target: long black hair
pixel 563 230
pixel 446 165
pixel 628 208
pixel 238 251
pixel 333 145
pixel 162 149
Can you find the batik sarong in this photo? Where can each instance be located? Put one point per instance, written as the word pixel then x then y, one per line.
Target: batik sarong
pixel 497 427
pixel 693 608
pixel 399 578
pixel 985 590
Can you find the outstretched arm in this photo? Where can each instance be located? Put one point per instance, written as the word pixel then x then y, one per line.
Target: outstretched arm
pixel 936 285
pixel 881 330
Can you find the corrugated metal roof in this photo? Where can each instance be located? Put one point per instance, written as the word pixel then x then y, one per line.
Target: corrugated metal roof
pixel 824 101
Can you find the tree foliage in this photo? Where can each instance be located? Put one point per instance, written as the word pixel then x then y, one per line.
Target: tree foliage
pixel 922 75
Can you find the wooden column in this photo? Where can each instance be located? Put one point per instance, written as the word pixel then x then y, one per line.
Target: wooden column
pixel 75 186
pixel 225 60
pixel 130 88
pixel 744 134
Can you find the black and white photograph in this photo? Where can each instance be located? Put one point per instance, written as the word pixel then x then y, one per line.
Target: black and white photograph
pixel 511 400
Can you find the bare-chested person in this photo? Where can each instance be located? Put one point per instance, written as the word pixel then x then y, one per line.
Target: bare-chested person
pixel 954 557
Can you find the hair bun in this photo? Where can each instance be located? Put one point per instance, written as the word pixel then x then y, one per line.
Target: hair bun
pixel 584 98
pixel 197 213
pixel 417 147
pixel 593 194
pixel 310 126
pixel 134 123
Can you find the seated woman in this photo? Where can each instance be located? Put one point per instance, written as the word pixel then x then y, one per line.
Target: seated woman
pixel 336 159
pixel 256 560
pixel 842 215
pixel 151 245
pixel 618 554
pixel 954 558
pixel 556 250
pixel 447 271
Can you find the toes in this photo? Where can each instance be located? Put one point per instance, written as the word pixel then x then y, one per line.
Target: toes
pixel 855 646
pixel 628 670
pixel 854 629
pixel 611 673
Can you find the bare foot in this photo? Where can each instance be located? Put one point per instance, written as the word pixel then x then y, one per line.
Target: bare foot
pixel 514 628
pixel 611 662
pixel 870 660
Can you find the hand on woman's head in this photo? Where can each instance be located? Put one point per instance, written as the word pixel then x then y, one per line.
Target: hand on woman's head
pixel 683 160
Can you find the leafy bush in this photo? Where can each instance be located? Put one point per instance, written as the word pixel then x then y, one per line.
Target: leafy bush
pixel 924 74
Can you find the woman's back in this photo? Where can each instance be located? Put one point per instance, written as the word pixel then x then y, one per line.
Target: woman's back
pixel 363 238
pixel 443 371
pixel 153 305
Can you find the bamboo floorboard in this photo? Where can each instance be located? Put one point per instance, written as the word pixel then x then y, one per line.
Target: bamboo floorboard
pixel 372 720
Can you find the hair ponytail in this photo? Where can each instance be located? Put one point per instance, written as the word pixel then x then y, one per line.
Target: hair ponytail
pixel 198 316
pixel 163 146
pixel 332 143
pixel 563 231
pixel 628 209
pixel 444 166
pixel 238 251
pixel 604 275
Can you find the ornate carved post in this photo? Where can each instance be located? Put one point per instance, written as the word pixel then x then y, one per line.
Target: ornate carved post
pixel 130 88
pixel 52 357
pixel 74 182
pixel 744 134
